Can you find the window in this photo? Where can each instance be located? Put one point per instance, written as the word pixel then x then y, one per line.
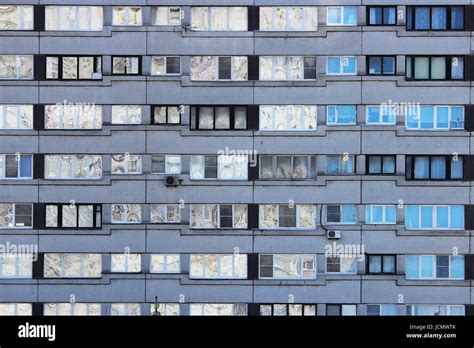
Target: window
pixel 219 216
pixel 126 65
pixel 434 217
pixel 72 309
pixel 165 309
pixel 127 16
pixel 73 68
pixel 163 114
pixel 218 266
pixel 165 213
pixel 434 167
pixel 122 309
pixel 435 18
pixel 16 116
pixel 16 17
pixel 16 215
pixel 164 15
pixel 126 213
pixel 381 115
pixel 126 263
pixel 16 67
pixel 16 265
pixel 126 164
pixel 16 166
pixel 219 18
pixel 282 68
pixel 73 167
pixel 161 65
pixel 382 65
pixel 220 167
pixel 289 18
pixel 341 264
pixel 435 117
pixel 382 15
pixel 434 267
pixel 338 310
pixel 287 266
pixel 73 116
pixel 436 310
pixel 342 214
pixel 383 164
pixel 381 264
pixel 165 263
pixel 340 165
pixel 280 216
pixel 126 114
pixel 288 117
pixel 218 117
pixel 381 310
pixel 380 214
pixel 288 310
pixel 341 114
pixel 341 66
pixel 435 68
pixel 342 15
pixel 287 167
pixel 219 309
pixel 78 216
pixel 72 265
pixel 166 164
pixel 16 309
pixel 212 68
pixel 74 18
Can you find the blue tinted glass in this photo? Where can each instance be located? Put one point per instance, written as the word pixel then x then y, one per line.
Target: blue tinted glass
pixel 349 213
pixel 389 65
pixel 346 114
pixel 334 15
pixel 389 264
pixel 389 16
pixel 390 212
pixel 457 18
pixel 350 15
pixel 422 18
pixel 331 114
pixel 427 117
pixel 348 166
pixel 426 217
pixel 412 216
pixel 457 267
pixel 375 15
pixel 373 114
pixel 375 65
pixel 442 117
pixel 333 164
pixel 426 266
pixel 457 168
pixel 457 68
pixel 389 165
pixel 438 167
pixel 412 268
pixel 412 117
pixel 457 216
pixel 387 309
pixel 349 65
pixel 26 166
pixel 457 117
pixel 422 168
pixel 442 217
pixel 438 18
pixel 388 114
pixel 334 65
pixel 368 219
pixel 377 214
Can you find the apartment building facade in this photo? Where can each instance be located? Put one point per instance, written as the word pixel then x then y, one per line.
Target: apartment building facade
pixel 246 157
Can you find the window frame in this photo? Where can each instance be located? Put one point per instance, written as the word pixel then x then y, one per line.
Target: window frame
pixel 97 111
pixel 448 8
pixel 382 57
pixel 21 12
pixel 74 165
pixel 341 214
pixel 434 216
pixel 165 158
pixel 369 210
pixel 218 158
pixel 17 257
pixel 126 164
pixel 380 121
pixel 19 108
pixel 288 108
pixel 18 73
pixel 97 61
pixel 76 15
pixel 166 213
pixel 165 263
pixel 218 216
pixel 126 108
pixel 15 218
pixel 219 275
pixel 310 161
pixel 120 222
pixel 168 106
pixel 195 116
pixel 168 10
pixel 127 9
pixel 287 21
pixel 341 66
pixel 82 271
pixel 341 23
pixel 209 18
pixel 434 273
pixel 336 115
pixel 410 60
pixel 126 263
pixel 340 171
pixel 382 7
pixel 18 158
pixel 96 213
pixel 302 268
pixel 410 174
pixel 126 73
pixel 166 66
pixel 382 160
pixel 435 118
pixel 287 310
pixel 355 261
pixel 288 68
pixel 296 214
pixel 382 258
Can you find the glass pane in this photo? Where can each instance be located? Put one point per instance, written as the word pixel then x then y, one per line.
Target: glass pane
pixel 350 15
pixel 438 18
pixel 389 65
pixel 442 117
pixel 457 68
pixel 438 167
pixel 389 164
pixel 442 217
pixel 426 217
pixel 375 15
pixel 422 18
pixel 457 168
pixel 375 65
pixel 438 68
pixel 375 264
pixel 457 18
pixel 422 68
pixel 427 117
pixel 334 15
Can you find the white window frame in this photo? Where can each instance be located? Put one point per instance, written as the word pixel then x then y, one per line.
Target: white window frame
pixel 380 121
pixel 166 308
pixel 209 11
pixel 126 115
pixel 125 308
pixel 74 167
pixel 15 308
pixel 127 16
pixel 21 12
pixel 434 274
pixel 167 172
pixel 97 113
pixel 125 222
pixel 203 211
pixel 448 308
pixel 434 217
pixel 435 118
pixel 126 266
pixel 342 17
pixel 3 166
pixel 17 266
pixel 288 129
pixel 18 58
pixel 127 163
pixel 75 9
pixel 336 114
pixel 3 115
pixel 287 20
pixel 72 308
pixel 166 213
pixel 202 305
pixel 341 165
pixel 218 275
pixel 301 262
pixel 14 218
pixel 165 263
pixel 288 68
pixel 341 66
pixel 82 271
pixel 232 77
pixel 168 10
pixel 384 214
pixel 166 64
pixel 297 217
pixel 219 178
pixel 340 264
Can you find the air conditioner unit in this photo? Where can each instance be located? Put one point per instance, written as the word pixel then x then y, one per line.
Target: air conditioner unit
pixel 172 180
pixel 333 234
